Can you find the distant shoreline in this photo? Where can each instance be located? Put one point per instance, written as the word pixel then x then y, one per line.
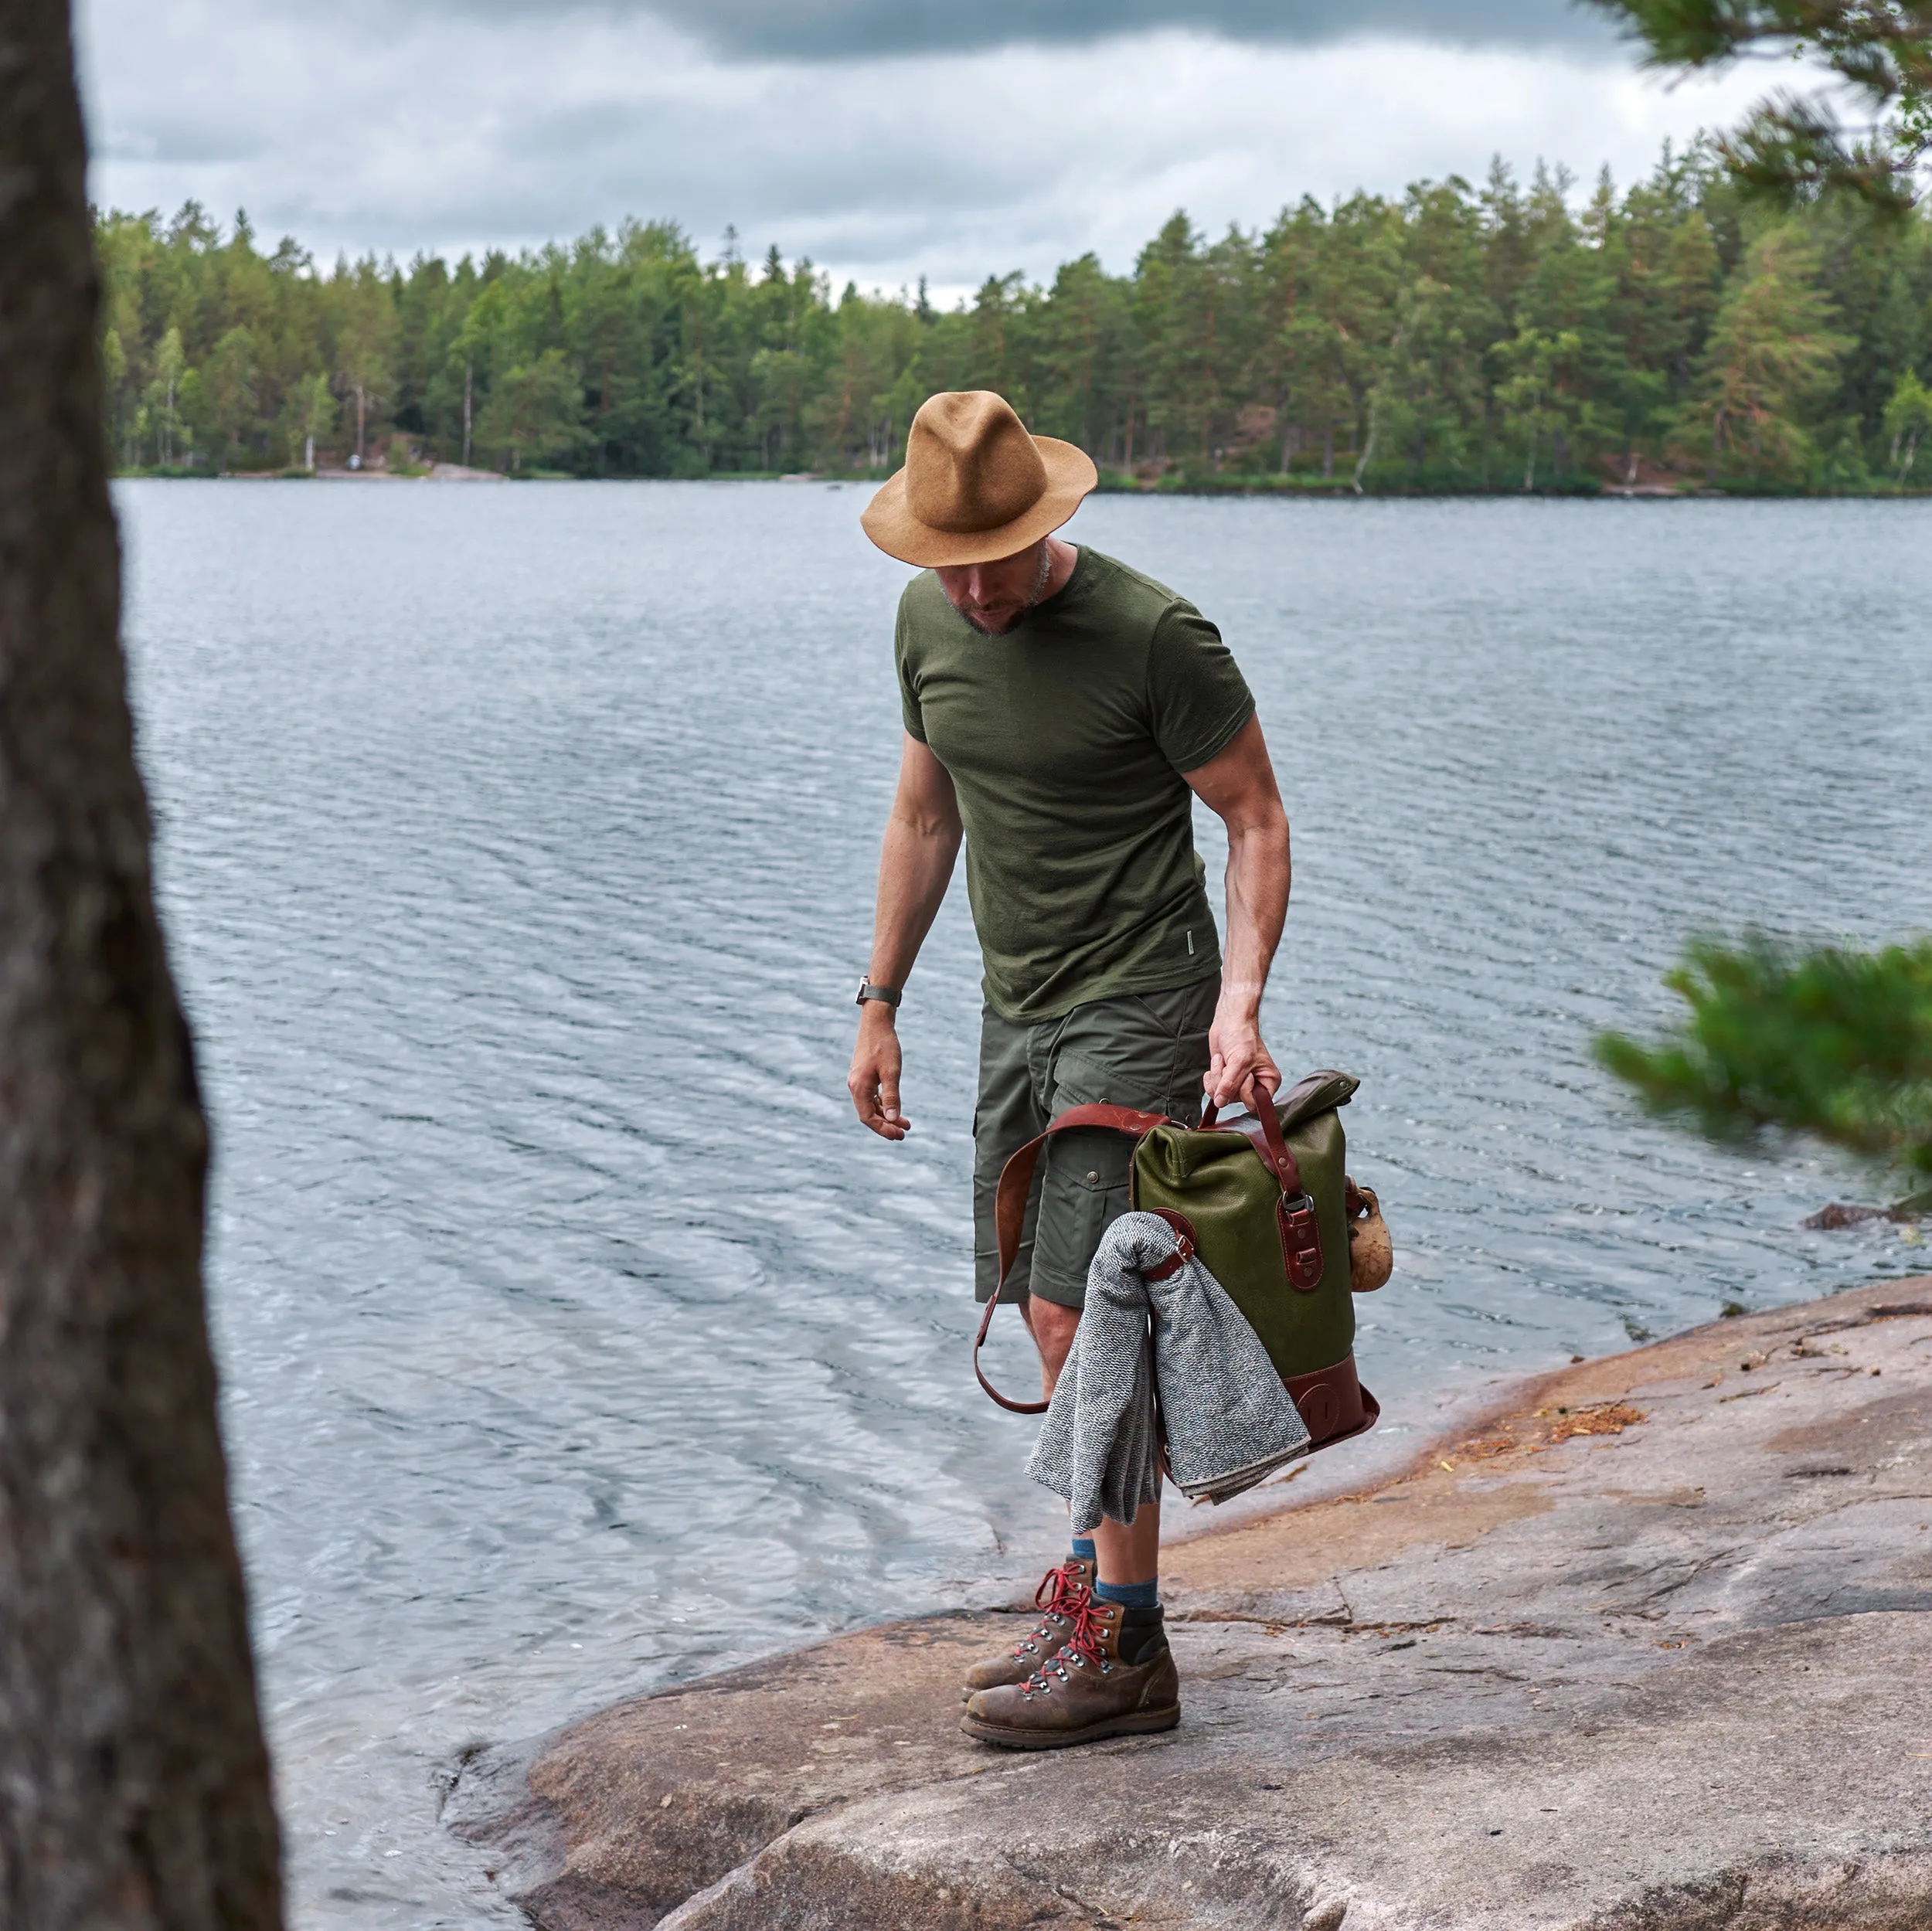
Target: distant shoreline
pixel 1299 490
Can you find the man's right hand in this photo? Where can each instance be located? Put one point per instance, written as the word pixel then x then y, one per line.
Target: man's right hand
pixel 922 840
pixel 873 1081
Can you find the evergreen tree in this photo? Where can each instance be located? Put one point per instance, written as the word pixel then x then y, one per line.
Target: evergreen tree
pixel 1771 358
pixel 1452 337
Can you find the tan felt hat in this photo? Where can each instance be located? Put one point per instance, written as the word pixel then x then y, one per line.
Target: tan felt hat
pixel 976 487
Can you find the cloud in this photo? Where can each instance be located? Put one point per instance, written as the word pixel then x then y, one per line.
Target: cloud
pixel 867 29
pixel 497 127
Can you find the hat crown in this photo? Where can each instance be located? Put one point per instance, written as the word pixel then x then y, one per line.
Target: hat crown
pixel 970 464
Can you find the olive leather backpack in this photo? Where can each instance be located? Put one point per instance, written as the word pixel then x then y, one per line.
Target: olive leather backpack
pixel 1265 1200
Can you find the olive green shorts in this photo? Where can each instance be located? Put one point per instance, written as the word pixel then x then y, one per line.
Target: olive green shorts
pixel 1148 1050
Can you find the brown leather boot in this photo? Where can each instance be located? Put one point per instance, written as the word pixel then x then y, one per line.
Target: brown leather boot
pixel 1090 1689
pixel 1060 1597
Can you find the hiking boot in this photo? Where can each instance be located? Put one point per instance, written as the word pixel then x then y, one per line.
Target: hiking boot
pixel 1113 1676
pixel 1060 1597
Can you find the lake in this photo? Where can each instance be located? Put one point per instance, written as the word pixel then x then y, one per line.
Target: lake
pixel 516 846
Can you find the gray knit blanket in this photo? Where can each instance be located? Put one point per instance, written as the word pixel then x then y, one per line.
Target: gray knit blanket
pixel 1229 1421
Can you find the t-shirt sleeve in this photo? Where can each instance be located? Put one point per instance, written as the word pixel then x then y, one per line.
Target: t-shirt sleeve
pixel 1198 698
pixel 909 708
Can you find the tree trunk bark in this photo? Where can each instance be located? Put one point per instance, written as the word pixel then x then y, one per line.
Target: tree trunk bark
pixel 134 1783
pixel 1368 449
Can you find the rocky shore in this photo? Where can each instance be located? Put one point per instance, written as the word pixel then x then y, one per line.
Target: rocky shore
pixel 1648 1647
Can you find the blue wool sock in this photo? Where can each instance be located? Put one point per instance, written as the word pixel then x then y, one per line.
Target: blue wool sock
pixel 1083 1548
pixel 1133 1596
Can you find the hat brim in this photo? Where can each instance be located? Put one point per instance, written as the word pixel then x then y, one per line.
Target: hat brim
pixel 1070 474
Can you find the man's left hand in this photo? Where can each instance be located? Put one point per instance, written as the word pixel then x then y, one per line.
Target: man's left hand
pixel 1237 1056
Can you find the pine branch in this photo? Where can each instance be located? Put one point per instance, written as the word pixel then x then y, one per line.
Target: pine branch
pixel 1833 1043
pixel 1793 149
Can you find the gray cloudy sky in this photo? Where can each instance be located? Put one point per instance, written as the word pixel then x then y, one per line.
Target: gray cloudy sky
pixel 886 138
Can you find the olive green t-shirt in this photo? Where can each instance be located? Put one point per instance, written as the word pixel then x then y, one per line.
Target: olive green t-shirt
pixel 1066 739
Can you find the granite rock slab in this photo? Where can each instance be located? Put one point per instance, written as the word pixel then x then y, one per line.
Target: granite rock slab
pixel 1649 1645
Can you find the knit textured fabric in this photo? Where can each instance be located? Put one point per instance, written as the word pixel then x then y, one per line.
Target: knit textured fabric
pixel 1229 1421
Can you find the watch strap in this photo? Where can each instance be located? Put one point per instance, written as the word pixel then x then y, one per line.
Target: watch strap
pixel 886 995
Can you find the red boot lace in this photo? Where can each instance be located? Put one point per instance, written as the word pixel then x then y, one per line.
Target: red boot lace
pixel 1062 1594
pixel 1063 1590
pixel 1085 1649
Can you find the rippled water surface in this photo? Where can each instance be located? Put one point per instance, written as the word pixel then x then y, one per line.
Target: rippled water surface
pixel 517 845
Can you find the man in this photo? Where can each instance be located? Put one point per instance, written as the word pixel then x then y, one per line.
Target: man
pixel 1061 712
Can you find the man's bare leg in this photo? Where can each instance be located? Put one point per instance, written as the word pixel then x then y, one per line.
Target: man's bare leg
pixel 1124 1553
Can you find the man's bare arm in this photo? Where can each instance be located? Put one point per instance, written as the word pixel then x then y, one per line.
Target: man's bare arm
pixel 915 866
pixel 1239 787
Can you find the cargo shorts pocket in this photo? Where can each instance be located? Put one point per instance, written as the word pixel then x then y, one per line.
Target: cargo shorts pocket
pixel 1084 1188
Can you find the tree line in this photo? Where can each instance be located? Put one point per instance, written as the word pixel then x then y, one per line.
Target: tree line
pixel 1454 337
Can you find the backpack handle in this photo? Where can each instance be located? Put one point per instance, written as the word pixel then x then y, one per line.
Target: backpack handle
pixel 1271 1143
pixel 1301 1225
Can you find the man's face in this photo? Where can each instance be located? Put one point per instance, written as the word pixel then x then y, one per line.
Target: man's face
pixel 993 597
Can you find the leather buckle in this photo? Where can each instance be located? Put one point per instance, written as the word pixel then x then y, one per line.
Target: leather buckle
pixel 1301 1241
pixel 1183 1248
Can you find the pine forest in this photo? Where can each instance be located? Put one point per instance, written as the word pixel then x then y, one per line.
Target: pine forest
pixel 1674 334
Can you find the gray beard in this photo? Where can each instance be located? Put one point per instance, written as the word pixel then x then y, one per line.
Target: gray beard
pixel 1033 596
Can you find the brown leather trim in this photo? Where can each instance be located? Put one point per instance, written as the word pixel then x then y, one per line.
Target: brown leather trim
pixel 1301 1242
pixel 1184 1230
pixel 1333 1402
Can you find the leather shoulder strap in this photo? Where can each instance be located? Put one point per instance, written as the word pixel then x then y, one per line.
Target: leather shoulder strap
pixel 1009 1210
pixel 1017 1177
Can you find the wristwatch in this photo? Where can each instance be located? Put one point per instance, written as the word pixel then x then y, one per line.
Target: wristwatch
pixel 886 995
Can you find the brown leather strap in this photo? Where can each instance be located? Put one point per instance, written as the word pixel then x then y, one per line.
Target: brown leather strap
pixel 1184 1232
pixel 1269 1142
pixel 1009 1211
pixel 979 1373
pixel 1300 1241
pixel 1017 1177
